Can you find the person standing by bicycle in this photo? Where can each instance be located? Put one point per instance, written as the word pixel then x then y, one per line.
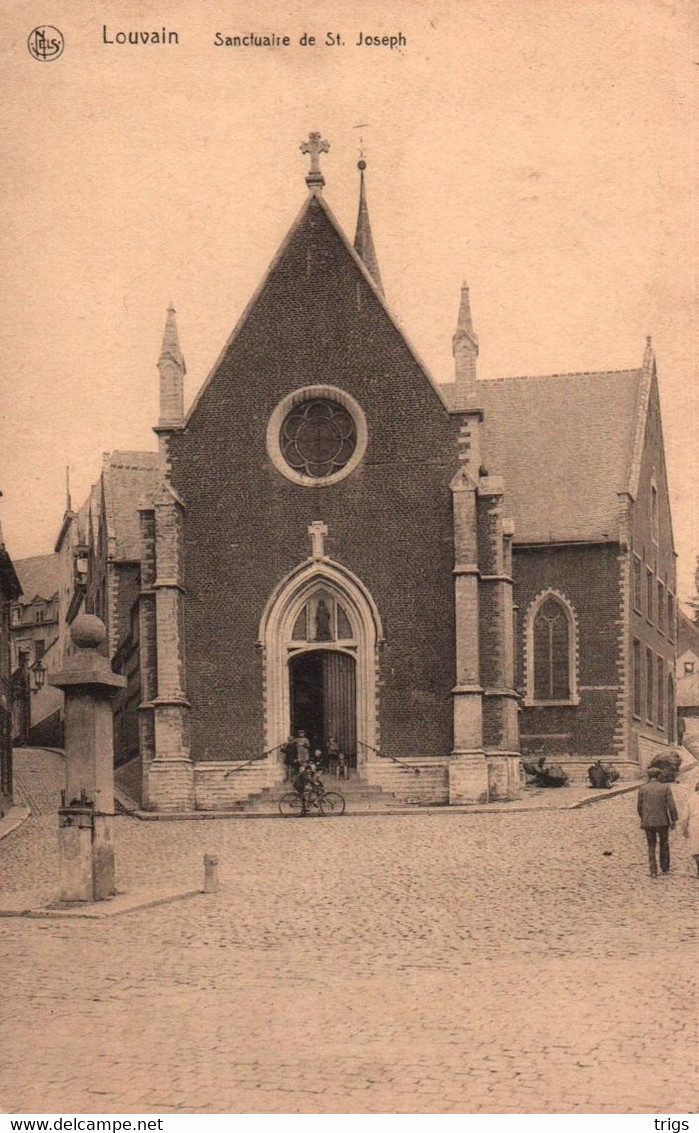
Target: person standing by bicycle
pixel 308 785
pixel 303 785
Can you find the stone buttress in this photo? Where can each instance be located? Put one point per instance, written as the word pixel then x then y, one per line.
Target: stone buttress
pixel 168 772
pixel 484 765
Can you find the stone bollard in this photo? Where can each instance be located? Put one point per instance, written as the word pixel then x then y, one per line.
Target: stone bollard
pixel 210 873
pixel 86 845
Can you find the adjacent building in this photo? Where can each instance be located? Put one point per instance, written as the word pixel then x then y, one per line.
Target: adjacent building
pixel 688 682
pixel 10 591
pixel 112 583
pixel 593 562
pixel 34 630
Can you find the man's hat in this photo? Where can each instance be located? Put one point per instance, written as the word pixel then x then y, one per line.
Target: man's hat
pixel 653 772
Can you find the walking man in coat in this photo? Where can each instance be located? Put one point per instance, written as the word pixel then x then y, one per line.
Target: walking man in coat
pixel 658 814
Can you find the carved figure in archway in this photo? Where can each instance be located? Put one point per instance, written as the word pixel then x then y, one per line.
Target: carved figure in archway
pixel 323 622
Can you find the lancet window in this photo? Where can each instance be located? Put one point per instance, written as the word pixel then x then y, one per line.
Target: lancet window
pixel 552 651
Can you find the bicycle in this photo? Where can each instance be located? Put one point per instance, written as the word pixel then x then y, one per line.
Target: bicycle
pixel 328 803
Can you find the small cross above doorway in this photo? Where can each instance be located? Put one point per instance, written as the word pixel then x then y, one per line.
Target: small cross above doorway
pixel 317 531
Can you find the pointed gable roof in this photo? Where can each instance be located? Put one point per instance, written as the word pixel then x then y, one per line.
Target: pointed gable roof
pixel 565 446
pixel 38 577
pixel 314 211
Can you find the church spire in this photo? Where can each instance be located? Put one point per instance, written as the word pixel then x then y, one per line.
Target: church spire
pixel 172 370
pixel 465 346
pixel 171 341
pixel 363 240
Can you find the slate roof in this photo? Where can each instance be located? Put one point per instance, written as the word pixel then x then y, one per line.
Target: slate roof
pixel 38 576
pixel 128 476
pixel 687 634
pixel 564 445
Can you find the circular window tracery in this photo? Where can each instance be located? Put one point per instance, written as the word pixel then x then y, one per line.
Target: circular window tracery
pixel 318 438
pixel 317 435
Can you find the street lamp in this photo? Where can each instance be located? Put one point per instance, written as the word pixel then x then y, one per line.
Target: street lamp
pixel 39 672
pixel 81 565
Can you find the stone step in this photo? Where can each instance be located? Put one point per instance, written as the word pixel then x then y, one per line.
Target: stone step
pixel 357 794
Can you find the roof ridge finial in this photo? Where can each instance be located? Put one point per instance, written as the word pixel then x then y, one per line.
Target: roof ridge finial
pixel 314 147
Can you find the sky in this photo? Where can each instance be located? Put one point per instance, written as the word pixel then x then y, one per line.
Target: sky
pixel 540 149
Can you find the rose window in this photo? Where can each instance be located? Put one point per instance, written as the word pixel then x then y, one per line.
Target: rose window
pixel 318 438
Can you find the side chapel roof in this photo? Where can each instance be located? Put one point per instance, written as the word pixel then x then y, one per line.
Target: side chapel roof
pixel 565 445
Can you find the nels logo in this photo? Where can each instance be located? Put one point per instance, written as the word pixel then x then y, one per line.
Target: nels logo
pixel 45 43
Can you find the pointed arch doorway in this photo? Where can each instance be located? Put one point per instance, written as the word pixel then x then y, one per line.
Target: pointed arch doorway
pixel 319 635
pixel 323 699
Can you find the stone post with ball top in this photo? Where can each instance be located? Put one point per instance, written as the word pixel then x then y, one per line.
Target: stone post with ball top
pixel 86 816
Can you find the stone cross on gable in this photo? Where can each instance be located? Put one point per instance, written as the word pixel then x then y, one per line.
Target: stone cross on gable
pixel 317 531
pixel 314 147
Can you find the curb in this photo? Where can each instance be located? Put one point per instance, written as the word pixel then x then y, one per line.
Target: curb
pixel 112 907
pixel 15 817
pixel 610 794
pixel 388 812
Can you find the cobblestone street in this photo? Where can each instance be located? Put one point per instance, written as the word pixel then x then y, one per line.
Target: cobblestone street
pixel 430 964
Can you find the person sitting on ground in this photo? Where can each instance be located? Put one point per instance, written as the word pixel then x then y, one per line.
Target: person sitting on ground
pixel 668 764
pixel 602 775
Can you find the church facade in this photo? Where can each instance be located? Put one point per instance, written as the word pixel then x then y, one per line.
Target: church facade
pixel 338 544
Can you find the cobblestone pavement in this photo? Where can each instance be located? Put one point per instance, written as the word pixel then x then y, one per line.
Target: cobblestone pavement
pixel 426 964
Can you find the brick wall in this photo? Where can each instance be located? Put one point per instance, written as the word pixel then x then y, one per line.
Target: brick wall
pixel 126 702
pixel 651 551
pixel 124 588
pixel 317 321
pixel 588 576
